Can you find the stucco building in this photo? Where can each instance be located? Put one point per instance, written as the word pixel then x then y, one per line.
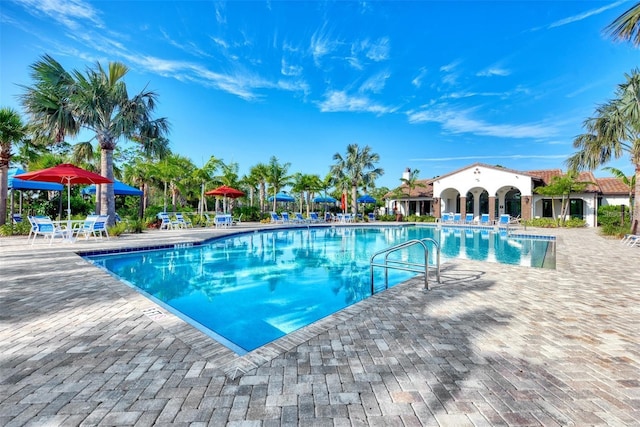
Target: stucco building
pixel 480 189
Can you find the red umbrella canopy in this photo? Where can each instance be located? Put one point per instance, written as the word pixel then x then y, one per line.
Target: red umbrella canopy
pixel 225 191
pixel 65 174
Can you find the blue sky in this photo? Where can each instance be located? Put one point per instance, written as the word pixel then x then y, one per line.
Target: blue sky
pixel 430 85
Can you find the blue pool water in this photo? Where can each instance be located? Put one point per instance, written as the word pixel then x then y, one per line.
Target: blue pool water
pixel 249 289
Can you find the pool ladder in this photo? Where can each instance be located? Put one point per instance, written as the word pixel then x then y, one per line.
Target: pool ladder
pixel 405 265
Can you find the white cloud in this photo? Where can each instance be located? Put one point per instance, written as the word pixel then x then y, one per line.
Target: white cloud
pixel 336 101
pixel 66 12
pixel 379 50
pixel 417 80
pixel 375 83
pixel 580 16
pixel 459 121
pixel 289 70
pixel 321 45
pixel 493 71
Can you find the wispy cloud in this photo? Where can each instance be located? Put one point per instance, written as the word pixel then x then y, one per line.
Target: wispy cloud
pixel 69 13
pixel 417 80
pixel 460 121
pixel 511 157
pixel 321 44
pixel 375 83
pixel 340 101
pixel 450 74
pixel 493 71
pixel 580 16
pixel 287 69
pixel 379 50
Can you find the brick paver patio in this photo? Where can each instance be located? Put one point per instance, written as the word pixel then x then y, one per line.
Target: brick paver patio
pixel 491 345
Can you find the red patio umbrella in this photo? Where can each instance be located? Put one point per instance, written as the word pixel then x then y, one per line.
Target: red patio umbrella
pixel 68 174
pixel 225 191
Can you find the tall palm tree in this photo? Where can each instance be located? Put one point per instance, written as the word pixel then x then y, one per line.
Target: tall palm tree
pixel 277 176
pixel 412 182
pixel 259 172
pixel 612 132
pixel 627 26
pixel 356 167
pixel 629 181
pixel 11 131
pixel 60 103
pixel 102 104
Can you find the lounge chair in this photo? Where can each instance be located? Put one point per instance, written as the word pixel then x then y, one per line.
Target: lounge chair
pixel 328 217
pixel 485 220
pixel 504 219
pixel 299 218
pixel 208 220
pixel 17 218
pixel 166 222
pixel 275 219
pixel 631 240
pixel 183 222
pixel 469 219
pixel 371 217
pixel 313 217
pixel 236 221
pixel 285 218
pixel 48 229
pixel 457 218
pixel 93 225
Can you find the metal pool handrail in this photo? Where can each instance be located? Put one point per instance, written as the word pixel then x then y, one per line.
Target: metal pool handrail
pixel 405 265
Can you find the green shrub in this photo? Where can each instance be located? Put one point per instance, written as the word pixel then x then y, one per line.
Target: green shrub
pixel 612 215
pixel 11 229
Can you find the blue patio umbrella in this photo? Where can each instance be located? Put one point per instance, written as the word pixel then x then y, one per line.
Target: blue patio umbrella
pixel 281 197
pixel 20 184
pixel 324 199
pixel 366 199
pixel 119 189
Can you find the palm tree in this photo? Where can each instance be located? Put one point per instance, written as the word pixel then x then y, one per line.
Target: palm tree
pixel 11 131
pixel 205 175
pixel 411 183
pixel 627 26
pixel 613 132
pixel 48 101
pixel 629 181
pixel 259 173
pixel 277 176
pixel 356 167
pixel 563 186
pixel 61 102
pixel 102 104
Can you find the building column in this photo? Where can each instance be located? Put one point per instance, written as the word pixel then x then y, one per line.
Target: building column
pixel 436 207
pixel 525 207
pixel 492 208
pixel 463 207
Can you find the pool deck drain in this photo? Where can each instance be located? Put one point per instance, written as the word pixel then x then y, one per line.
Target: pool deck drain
pixel 492 345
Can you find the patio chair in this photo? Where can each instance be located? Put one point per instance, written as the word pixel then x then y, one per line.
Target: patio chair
pixel 485 220
pixel 299 218
pixel 166 222
pixel 457 218
pixel 469 219
pixel 372 217
pixel 630 240
pixel 504 219
pixel 328 217
pixel 313 217
pixel 236 221
pixel 285 218
pixel 275 219
pixel 48 229
pixel 17 218
pixel 93 225
pixel 208 220
pixel 183 222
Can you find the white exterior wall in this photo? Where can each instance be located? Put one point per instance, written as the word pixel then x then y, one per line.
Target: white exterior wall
pixel 479 178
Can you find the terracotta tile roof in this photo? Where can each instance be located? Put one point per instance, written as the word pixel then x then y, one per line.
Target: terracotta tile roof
pixel 612 186
pixel 546 175
pixel 419 191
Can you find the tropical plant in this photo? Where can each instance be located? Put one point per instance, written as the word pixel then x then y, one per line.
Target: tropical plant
pixel 411 183
pixel 612 132
pixel 61 102
pixel 356 167
pixel 259 173
pixel 629 181
pixel 563 186
pixel 626 27
pixel 11 131
pixel 306 185
pixel 277 177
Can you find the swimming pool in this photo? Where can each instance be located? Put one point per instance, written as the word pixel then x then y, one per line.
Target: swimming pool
pixel 249 289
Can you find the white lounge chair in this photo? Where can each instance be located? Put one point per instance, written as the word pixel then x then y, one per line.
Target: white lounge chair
pixel 183 222
pixel 275 219
pixel 166 222
pixel 94 225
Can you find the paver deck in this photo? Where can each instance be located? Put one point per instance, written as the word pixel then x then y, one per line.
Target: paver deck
pixel 491 345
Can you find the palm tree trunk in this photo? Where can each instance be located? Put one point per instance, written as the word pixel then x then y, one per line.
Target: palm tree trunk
pixel 354 197
pixel 636 202
pixel 4 180
pixel 107 198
